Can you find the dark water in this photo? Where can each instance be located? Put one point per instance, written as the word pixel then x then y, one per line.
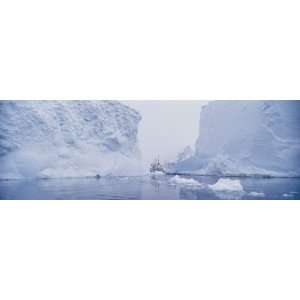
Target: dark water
pixel 145 187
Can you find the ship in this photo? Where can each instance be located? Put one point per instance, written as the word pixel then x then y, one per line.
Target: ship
pixel 157 167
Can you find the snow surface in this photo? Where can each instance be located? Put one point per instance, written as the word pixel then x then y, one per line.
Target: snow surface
pixel 246 138
pixel 67 139
pixel 226 184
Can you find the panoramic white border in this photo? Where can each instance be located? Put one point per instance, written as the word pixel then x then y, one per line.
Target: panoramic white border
pixel 130 50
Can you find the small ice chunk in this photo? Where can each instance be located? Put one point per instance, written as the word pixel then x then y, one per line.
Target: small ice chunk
pixel 184 181
pixel 226 184
pixel 158 173
pixel 256 194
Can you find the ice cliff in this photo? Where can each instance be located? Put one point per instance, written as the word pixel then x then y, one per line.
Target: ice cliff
pixel 247 138
pixel 67 139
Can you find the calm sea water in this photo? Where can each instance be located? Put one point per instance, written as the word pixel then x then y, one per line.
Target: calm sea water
pixel 145 187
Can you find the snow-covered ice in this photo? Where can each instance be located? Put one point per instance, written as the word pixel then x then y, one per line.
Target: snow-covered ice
pixel 67 139
pixel 246 138
pixel 184 181
pixel 226 184
pixel 185 154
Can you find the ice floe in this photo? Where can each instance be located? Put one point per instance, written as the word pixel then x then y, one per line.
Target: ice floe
pixel 184 181
pixel 226 184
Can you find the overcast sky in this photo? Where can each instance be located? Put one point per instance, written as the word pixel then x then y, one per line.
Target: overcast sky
pixel 167 127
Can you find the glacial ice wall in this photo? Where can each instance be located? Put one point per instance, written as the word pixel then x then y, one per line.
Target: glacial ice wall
pixel 247 138
pixel 67 139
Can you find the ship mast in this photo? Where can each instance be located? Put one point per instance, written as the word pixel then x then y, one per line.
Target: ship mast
pixel 156 165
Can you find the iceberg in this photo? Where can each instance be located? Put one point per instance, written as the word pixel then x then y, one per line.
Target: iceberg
pixel 246 138
pixel 177 180
pixel 47 139
pixel 226 184
pixel 185 154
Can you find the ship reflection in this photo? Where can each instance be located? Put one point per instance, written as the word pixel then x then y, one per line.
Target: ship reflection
pixel 202 194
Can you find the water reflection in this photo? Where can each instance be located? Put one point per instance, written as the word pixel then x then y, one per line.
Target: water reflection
pixel 144 187
pixel 201 194
pixel 156 185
